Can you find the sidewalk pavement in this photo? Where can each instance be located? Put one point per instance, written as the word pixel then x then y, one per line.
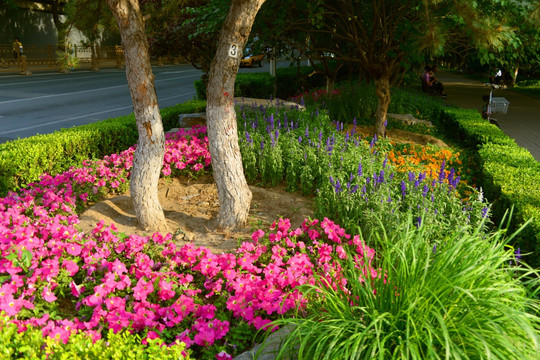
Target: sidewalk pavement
pixel 522 121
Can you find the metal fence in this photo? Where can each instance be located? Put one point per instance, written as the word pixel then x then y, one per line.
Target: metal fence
pixel 45 57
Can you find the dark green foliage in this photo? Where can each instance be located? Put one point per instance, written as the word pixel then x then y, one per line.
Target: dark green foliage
pixel 260 86
pixel 288 82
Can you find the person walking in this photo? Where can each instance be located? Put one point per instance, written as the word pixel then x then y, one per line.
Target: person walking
pixel 17 48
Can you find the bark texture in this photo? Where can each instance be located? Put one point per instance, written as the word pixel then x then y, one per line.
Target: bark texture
pixel 233 191
pixel 148 157
pixel 382 89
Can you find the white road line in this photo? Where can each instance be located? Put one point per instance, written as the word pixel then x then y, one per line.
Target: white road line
pixel 93 77
pixel 84 116
pixel 85 91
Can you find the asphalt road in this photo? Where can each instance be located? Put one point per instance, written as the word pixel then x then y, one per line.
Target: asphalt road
pixel 49 101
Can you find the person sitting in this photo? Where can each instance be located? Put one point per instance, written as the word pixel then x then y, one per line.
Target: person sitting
pixel 433 82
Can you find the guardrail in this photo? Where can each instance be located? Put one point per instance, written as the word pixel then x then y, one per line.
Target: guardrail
pixel 44 57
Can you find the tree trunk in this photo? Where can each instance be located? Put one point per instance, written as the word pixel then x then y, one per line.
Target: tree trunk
pixel 148 157
pixel 233 191
pixel 514 78
pixel 382 89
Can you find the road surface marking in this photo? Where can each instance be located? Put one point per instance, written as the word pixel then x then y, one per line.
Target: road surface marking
pixel 85 116
pixel 85 91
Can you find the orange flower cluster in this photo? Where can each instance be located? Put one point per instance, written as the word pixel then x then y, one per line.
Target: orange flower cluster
pixel 427 159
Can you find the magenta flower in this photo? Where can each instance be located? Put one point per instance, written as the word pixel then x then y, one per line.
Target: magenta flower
pixel 223 356
pixel 48 295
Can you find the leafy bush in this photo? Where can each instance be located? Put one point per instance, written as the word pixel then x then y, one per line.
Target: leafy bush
pixel 528 87
pixel 457 296
pixel 259 85
pixel 357 101
pixel 31 344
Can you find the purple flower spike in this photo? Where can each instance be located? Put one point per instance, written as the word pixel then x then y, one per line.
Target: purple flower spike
pixel 360 172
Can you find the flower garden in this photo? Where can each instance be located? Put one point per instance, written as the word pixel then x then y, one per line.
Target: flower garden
pixel 401 260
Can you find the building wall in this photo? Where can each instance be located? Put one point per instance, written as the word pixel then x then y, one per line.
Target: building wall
pixel 35 27
pixel 31 27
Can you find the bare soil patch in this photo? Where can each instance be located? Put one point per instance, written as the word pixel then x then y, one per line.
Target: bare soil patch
pixel 401 136
pixel 190 204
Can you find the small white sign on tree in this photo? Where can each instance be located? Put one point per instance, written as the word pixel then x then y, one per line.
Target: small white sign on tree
pixel 234 51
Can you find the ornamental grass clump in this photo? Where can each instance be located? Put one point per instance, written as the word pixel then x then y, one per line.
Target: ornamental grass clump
pixel 461 296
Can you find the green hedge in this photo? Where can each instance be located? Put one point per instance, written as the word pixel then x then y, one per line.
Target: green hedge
pixel 31 344
pixel 23 161
pixel 510 174
pixel 288 82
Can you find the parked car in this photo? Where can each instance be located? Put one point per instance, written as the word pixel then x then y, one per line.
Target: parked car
pixel 250 60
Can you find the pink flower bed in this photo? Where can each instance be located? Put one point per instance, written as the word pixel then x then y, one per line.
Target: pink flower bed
pixel 57 278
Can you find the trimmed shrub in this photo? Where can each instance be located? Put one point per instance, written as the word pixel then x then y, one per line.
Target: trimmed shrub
pixel 259 85
pixel 510 174
pixel 23 161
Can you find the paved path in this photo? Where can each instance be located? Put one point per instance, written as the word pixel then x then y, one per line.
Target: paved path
pixel 522 122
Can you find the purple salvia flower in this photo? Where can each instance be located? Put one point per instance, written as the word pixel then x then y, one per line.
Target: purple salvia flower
pixel 307 131
pixel 337 187
pixel 384 162
pixel 451 176
pixel 425 191
pixel 360 172
pixel 354 189
pixel 412 176
pixel 441 172
pixel 484 212
pixel 373 140
pixel 403 188
pixel 418 222
pixel 381 177
pixel 300 139
pixel 320 135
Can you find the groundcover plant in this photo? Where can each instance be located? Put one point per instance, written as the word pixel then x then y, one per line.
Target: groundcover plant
pixel 63 281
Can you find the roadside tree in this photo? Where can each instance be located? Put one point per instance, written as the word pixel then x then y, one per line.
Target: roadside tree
pixel 233 191
pixel 148 156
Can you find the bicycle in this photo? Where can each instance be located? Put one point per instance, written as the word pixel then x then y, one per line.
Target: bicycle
pixel 494 105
